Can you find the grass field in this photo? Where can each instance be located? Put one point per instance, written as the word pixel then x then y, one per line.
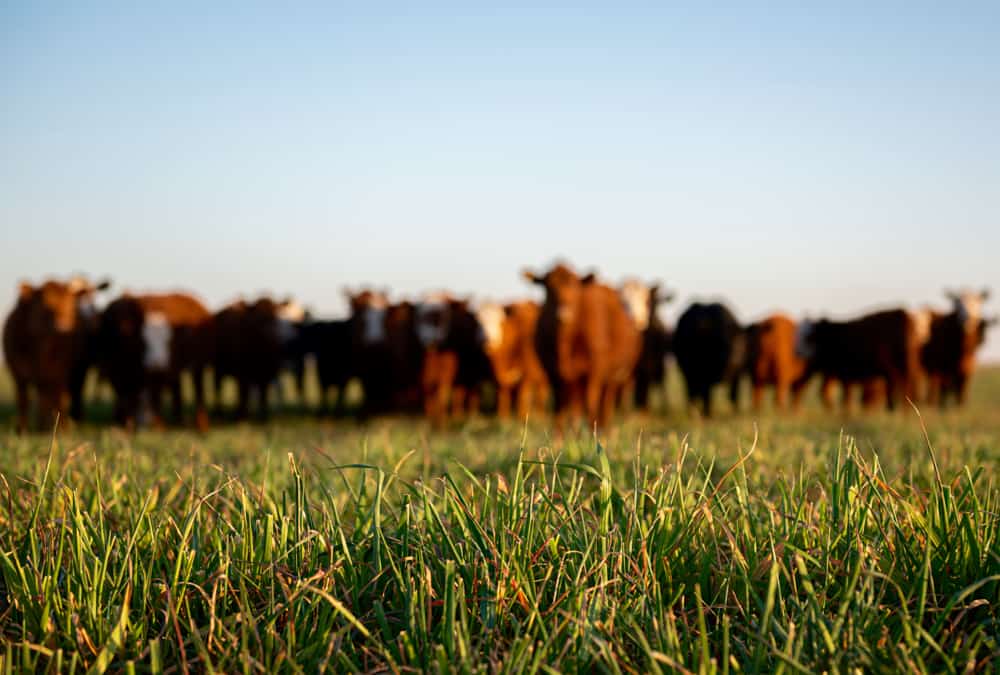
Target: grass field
pixel 807 543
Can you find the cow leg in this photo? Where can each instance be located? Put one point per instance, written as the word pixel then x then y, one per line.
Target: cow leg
pixel 459 396
pixel 23 404
pixel 176 402
pixel 734 393
pixel 243 399
pixel 961 390
pixel 781 391
pixel 76 381
pixel 758 396
pixel 156 400
pixel 200 407
pixel 263 405
pixel 503 400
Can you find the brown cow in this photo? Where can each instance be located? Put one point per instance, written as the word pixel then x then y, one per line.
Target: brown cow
pixel 146 342
pixel 949 356
pixel 508 334
pixel 586 342
pixel 47 343
pixel 772 361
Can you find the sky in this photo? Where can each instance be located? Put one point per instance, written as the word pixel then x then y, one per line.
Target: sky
pixel 779 156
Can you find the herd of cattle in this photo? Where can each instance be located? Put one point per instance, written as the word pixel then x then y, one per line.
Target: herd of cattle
pixel 586 351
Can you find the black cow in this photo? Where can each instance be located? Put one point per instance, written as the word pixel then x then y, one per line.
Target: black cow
pixel 710 347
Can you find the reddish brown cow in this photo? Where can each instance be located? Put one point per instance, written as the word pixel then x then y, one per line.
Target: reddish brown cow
pixel 772 361
pixel 949 357
pixel 146 342
pixel 586 342
pixel 47 343
pixel 508 333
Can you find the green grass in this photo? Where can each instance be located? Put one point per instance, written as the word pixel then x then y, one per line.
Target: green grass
pixel 830 543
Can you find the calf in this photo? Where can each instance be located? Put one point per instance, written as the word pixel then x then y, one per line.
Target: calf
pixel 883 345
pixel 145 343
pixel 772 361
pixel 641 301
pixel 508 338
pixel 710 347
pixel 48 343
pixel 586 343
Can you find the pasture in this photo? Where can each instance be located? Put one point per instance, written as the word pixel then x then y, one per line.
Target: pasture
pixel 772 543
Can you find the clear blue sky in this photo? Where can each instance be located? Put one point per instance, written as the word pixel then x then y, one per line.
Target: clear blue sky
pixel 781 155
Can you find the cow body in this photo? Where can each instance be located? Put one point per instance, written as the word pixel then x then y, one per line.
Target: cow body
pixel 508 333
pixel 641 301
pixel 48 343
pixel 586 342
pixel 710 347
pixel 949 356
pixel 252 343
pixel 146 342
pixel 330 344
pixel 772 360
pixel 880 346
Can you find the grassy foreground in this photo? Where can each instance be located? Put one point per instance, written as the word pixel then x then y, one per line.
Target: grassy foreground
pixel 668 545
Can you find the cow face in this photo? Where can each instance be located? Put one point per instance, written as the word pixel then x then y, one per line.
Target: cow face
pixel 805 339
pixel 968 306
pixel 433 319
pixel 637 298
pixel 491 317
pixel 61 307
pixel 563 290
pixel 369 307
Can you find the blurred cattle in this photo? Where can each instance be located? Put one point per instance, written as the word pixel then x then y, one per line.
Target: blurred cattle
pixel 880 346
pixel 253 341
pixel 330 345
pixel 710 347
pixel 772 361
pixel 641 301
pixel 387 353
pixel 508 335
pixel 145 343
pixel 455 365
pixel 949 356
pixel 586 342
pixel 48 343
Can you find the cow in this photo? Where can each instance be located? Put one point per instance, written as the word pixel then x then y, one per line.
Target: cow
pixel 508 339
pixel 48 341
pixel 145 343
pixel 455 364
pixel 388 352
pixel 772 360
pixel 883 346
pixel 949 356
pixel 251 345
pixel 330 344
pixel 586 342
pixel 711 348
pixel 641 301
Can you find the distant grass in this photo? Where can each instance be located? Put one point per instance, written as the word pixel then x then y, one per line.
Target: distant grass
pixel 674 545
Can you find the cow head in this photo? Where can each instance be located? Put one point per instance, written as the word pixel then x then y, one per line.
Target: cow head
pixel 968 306
pixel 433 319
pixel 641 300
pixel 369 308
pixel 59 306
pixel 563 290
pixel 491 317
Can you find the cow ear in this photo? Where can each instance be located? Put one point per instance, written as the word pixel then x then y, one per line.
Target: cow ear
pixel 985 294
pixel 533 278
pixel 589 278
pixel 667 296
pixel 25 290
pixel 104 285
